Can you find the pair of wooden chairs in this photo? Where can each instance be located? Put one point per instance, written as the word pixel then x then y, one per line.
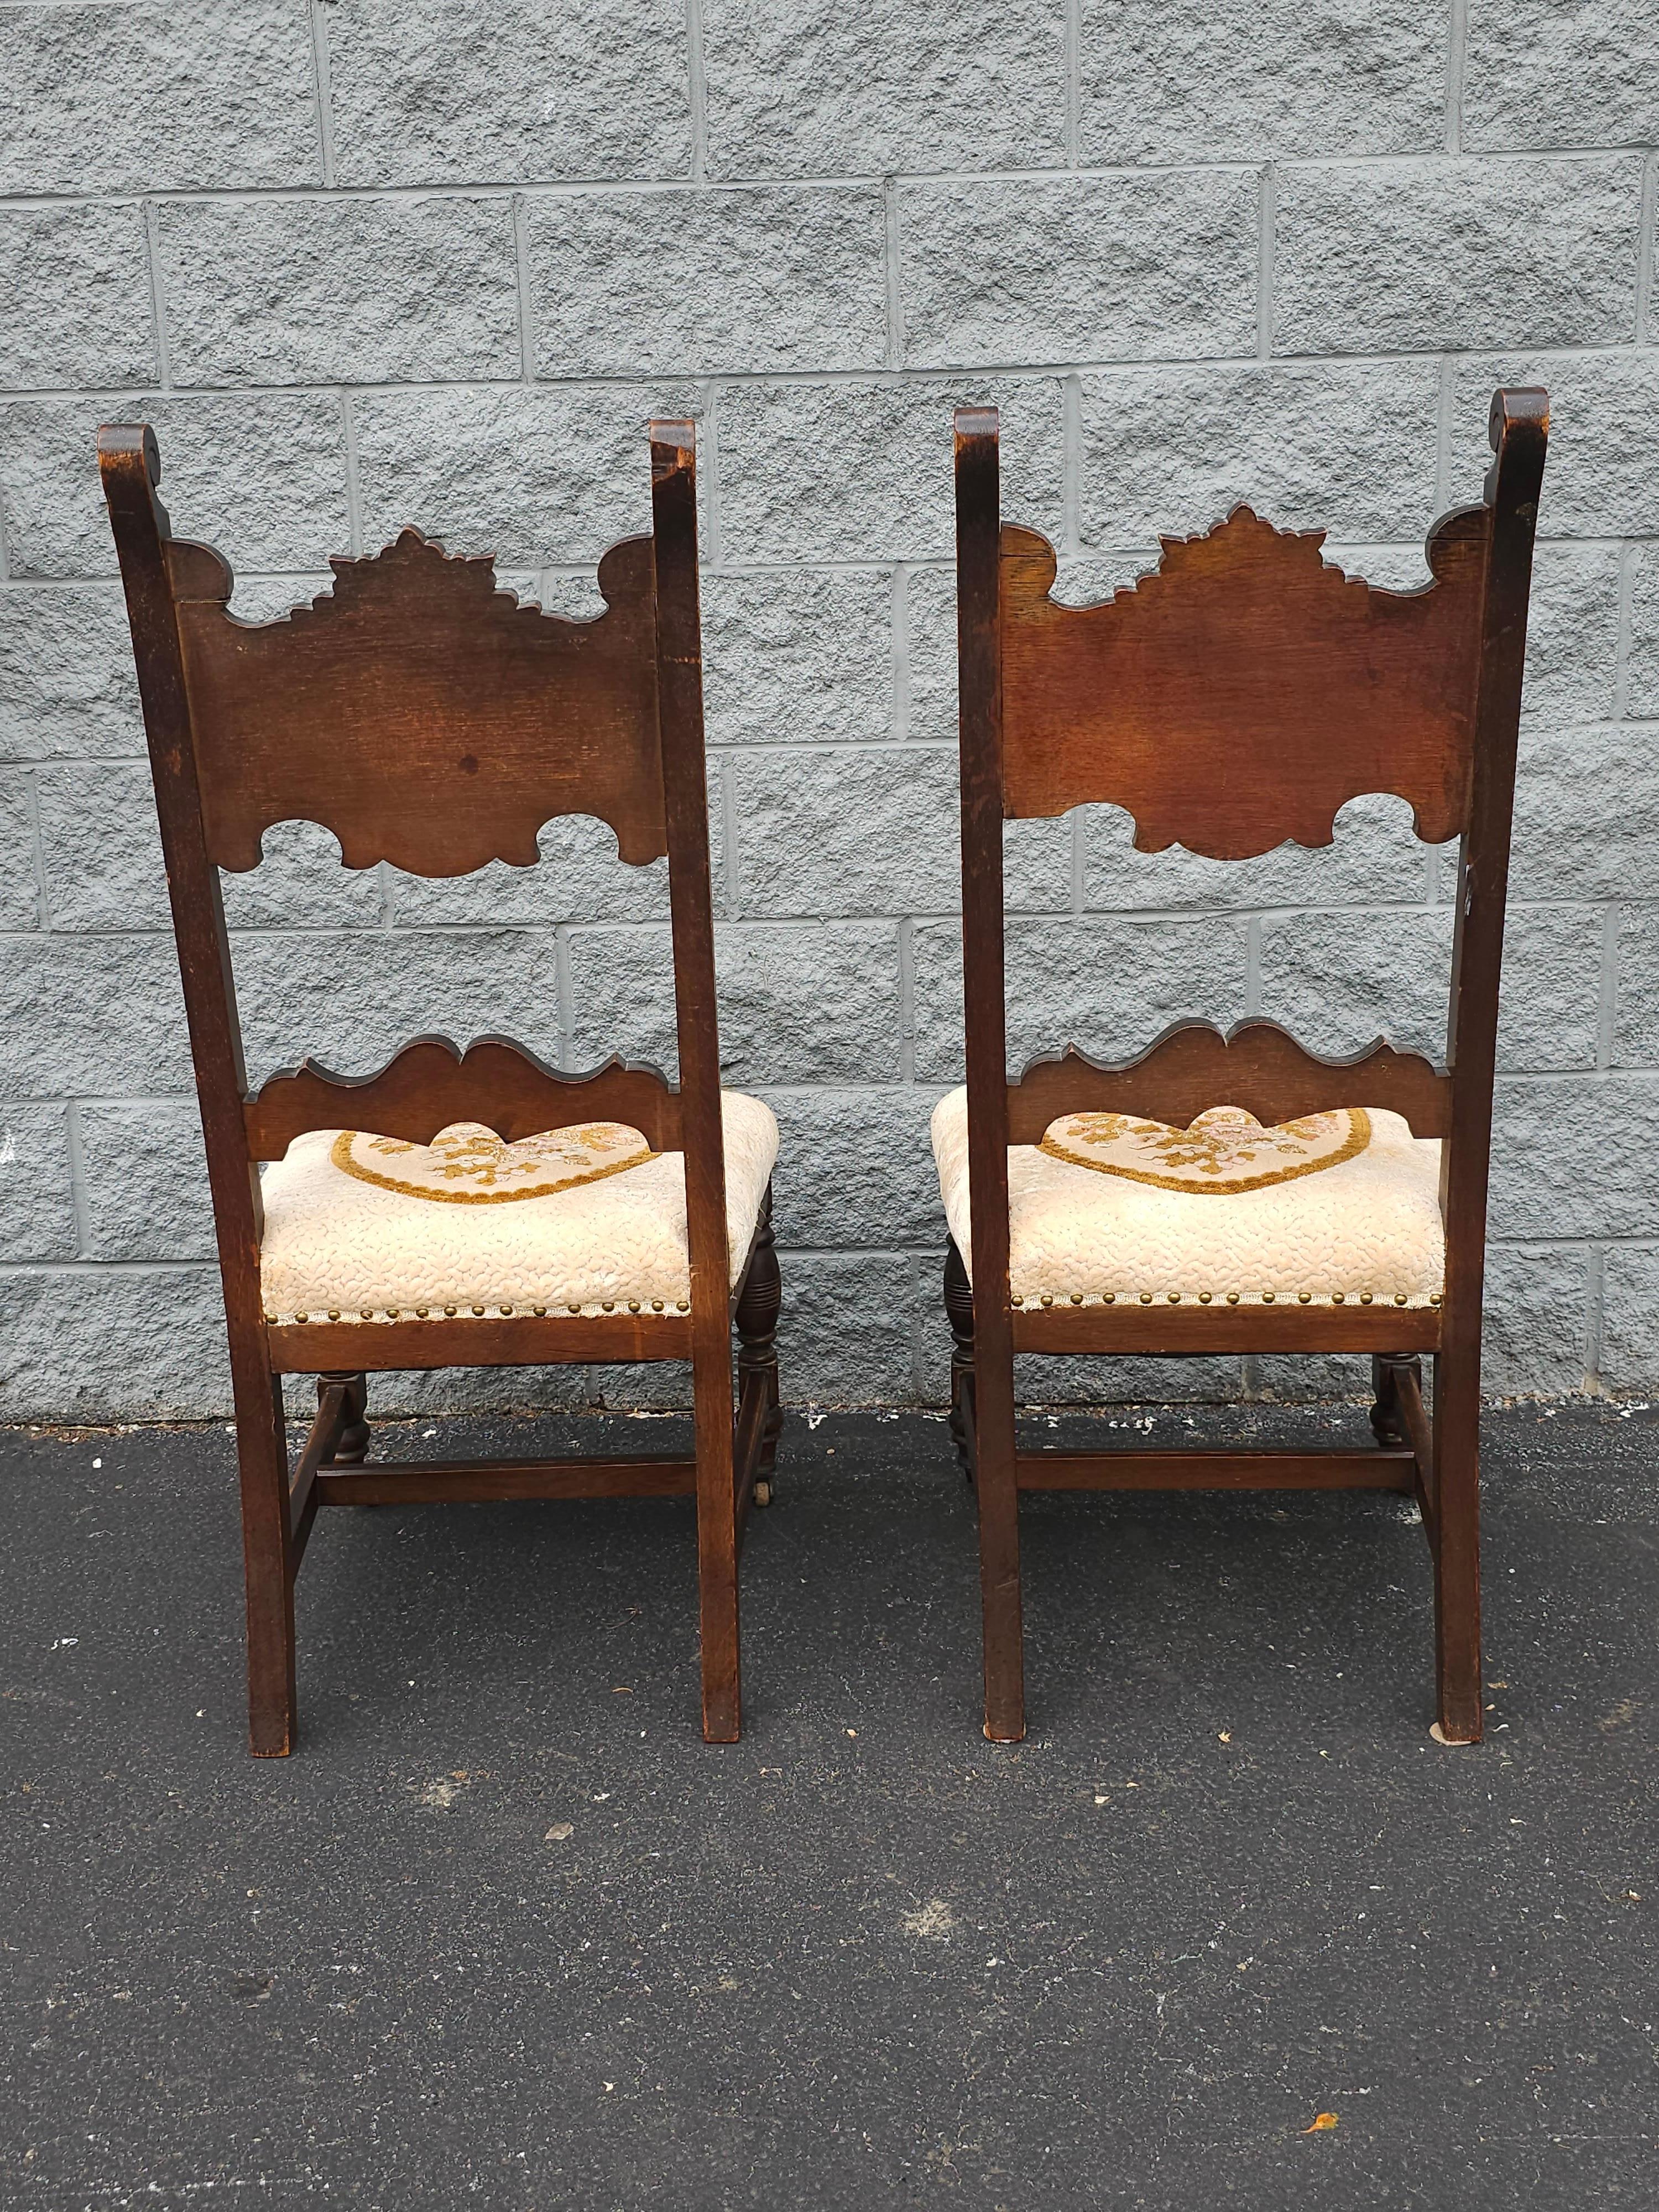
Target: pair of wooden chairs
pixel 1222 1193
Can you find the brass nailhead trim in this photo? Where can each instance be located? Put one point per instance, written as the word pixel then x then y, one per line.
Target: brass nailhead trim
pixel 1267 1298
pixel 272 1318
pixel 1145 1297
pixel 609 1306
pixel 1203 1297
pixel 1364 1298
pixel 656 1305
pixel 1048 1298
pixel 1338 1297
pixel 633 1305
pixel 1400 1297
pixel 1435 1297
pixel 421 1312
pixel 449 1313
pixel 540 1311
pixel 506 1310
pixel 1110 1298
pixel 477 1310
pixel 683 1306
pixel 1077 1297
pixel 1232 1297
pixel 1305 1297
pixel 334 1313
pixel 1174 1297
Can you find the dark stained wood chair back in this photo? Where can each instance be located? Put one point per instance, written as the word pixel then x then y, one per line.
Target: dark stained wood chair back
pixel 1238 697
pixel 429 721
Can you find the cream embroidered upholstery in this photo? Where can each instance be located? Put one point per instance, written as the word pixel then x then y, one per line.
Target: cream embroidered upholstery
pixel 1338 1208
pixel 583 1219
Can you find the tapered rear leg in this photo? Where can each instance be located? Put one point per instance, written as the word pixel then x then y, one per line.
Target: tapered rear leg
pixel 1457 1550
pixel 262 1460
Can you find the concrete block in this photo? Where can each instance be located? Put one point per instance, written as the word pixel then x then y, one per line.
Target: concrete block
pixel 351 999
pixel 95 1343
pixel 799 1002
pixel 849 1330
pixel 93 1017
pixel 1600 482
pixel 20 896
pixel 798 88
pixel 67 685
pixel 1158 266
pixel 1572 634
pixel 1542 73
pixel 1235 81
pixel 580 879
pixel 1373 857
pixel 1041 1379
pixel 145 1181
pixel 1344 447
pixel 301 884
pixel 695 282
pixel 1570 1159
pixel 862 471
pixel 37 1212
pixel 1110 988
pixel 425 92
pixel 1584 807
pixel 1636 1011
pixel 531 475
pixel 1642 669
pixel 801 655
pixel 101 847
pixel 855 1168
pixel 260 476
pixel 1457 254
pixel 353 291
pixel 1629 1365
pixel 870 829
pixel 1339 981
pixel 1534 1316
pixel 165 95
pixel 1549 1007
pixel 77 293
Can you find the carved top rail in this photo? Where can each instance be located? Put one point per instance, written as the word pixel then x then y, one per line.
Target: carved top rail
pixel 1244 692
pixel 431 1083
pixel 422 715
pixel 1257 1066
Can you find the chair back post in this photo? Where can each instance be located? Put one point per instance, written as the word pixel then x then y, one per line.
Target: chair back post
pixel 685 792
pixel 131 466
pixel 1520 433
pixel 979 649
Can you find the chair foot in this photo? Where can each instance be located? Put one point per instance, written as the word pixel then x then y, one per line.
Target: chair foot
pixel 1452 1743
pixel 762 1494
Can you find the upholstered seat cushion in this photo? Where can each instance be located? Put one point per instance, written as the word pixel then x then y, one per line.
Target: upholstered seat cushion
pixel 1336 1209
pixel 587 1219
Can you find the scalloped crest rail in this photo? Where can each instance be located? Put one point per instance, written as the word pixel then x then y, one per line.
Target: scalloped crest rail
pixel 422 715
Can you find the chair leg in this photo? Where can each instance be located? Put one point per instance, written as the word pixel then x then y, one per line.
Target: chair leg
pixel 262 1456
pixel 352 1448
pixel 1457 1549
pixel 759 1303
pixel 1385 1416
pixel 717 1536
pixel 996 1490
pixel 959 1312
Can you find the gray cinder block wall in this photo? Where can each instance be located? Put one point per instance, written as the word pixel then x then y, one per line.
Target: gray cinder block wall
pixel 369 261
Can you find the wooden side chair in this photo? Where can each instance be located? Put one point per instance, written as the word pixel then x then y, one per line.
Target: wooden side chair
pixel 469 1209
pixel 1236 1192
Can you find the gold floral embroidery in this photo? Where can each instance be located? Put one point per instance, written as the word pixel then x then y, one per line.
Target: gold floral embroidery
pixel 468 1165
pixel 1224 1152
